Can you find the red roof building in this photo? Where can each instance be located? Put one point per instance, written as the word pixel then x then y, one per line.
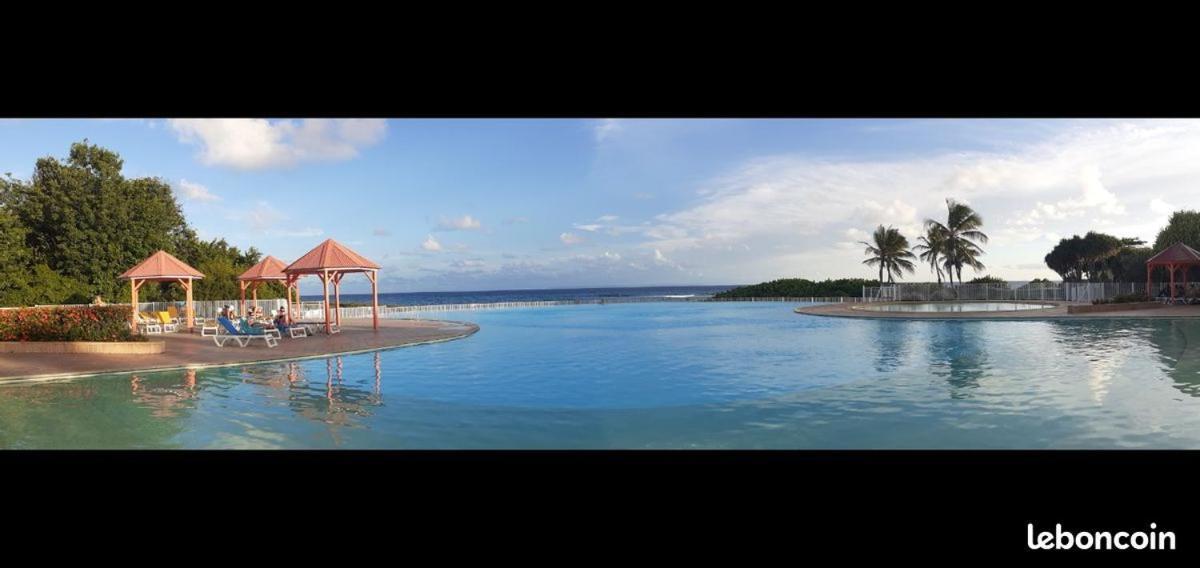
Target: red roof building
pixel 161 267
pixel 1175 257
pixel 329 262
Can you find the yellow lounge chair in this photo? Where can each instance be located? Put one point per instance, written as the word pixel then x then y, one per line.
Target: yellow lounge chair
pixel 167 324
pixel 148 324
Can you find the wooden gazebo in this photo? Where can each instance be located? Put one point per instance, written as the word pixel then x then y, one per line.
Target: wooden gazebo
pixel 330 261
pixel 269 269
pixel 1172 258
pixel 161 267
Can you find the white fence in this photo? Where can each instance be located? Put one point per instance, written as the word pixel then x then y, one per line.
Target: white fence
pixel 1051 291
pixel 316 310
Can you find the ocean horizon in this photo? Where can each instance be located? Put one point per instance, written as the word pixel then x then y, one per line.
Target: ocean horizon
pixel 550 294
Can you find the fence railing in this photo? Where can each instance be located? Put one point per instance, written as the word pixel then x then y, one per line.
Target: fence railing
pixel 316 310
pixel 1048 291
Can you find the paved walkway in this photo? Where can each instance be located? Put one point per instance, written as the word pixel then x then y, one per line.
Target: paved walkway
pixel 185 350
pixel 1057 312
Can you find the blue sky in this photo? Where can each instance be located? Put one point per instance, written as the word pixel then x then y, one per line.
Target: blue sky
pixel 497 204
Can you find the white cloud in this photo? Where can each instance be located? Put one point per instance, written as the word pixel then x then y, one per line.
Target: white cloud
pixel 570 239
pixel 1120 175
pixel 250 144
pixel 307 232
pixel 1160 207
pixel 431 244
pixel 606 128
pixel 464 223
pixel 195 192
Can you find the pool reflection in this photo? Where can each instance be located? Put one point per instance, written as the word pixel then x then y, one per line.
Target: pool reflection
pixel 957 354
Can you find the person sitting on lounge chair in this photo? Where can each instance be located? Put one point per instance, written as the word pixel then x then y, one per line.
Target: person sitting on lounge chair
pixel 281 321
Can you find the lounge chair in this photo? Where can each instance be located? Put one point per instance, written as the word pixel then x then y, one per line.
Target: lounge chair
pixel 176 317
pixel 208 326
pixel 242 338
pixel 148 325
pixel 168 325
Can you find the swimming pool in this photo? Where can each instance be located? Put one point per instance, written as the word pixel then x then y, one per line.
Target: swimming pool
pixel 664 375
pixel 927 307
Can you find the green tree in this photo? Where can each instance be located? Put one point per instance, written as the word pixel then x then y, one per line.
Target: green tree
pixel 799 287
pixel 960 236
pixel 1182 227
pixel 87 222
pixel 1097 257
pixel 931 245
pixel 889 250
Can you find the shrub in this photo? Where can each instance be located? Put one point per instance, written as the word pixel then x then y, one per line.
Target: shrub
pixel 1124 299
pixel 798 287
pixel 86 323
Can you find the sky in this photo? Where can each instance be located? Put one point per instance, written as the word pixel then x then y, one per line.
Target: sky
pixel 457 204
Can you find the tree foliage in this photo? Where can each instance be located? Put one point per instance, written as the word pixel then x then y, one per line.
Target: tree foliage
pixel 958 240
pixel 69 231
pixel 888 250
pixel 1182 227
pixel 800 288
pixel 1099 257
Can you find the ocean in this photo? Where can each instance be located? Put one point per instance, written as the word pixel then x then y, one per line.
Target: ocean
pixel 490 296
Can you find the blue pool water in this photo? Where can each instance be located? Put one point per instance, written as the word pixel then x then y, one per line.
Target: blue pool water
pixel 664 375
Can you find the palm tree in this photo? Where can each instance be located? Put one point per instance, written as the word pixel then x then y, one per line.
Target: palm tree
pixel 931 246
pixel 889 250
pixel 958 236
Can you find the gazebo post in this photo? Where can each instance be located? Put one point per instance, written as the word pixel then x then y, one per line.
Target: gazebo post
pixel 373 276
pixel 133 303
pixel 290 284
pixel 325 287
pixel 1149 270
pixel 337 298
pixel 242 302
pixel 1171 267
pixel 191 311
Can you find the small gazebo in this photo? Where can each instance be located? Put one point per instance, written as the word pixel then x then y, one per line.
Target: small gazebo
pixel 330 261
pixel 161 267
pixel 269 269
pixel 1172 258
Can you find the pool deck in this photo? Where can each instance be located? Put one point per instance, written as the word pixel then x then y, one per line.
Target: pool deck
pixel 1057 312
pixel 184 350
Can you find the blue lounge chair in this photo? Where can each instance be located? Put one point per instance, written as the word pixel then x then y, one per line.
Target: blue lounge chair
pixel 242 338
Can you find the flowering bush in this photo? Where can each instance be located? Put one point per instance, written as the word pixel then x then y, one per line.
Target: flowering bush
pixel 87 323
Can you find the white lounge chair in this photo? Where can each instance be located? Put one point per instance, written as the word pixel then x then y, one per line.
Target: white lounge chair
pixel 228 331
pixel 148 326
pixel 208 326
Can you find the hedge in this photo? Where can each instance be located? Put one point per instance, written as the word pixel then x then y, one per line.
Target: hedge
pixel 84 323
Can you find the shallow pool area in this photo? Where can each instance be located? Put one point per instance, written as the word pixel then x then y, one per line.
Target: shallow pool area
pixel 940 307
pixel 663 375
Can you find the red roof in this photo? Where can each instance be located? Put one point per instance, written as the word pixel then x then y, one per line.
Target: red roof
pixel 1177 253
pixel 161 265
pixel 269 268
pixel 330 255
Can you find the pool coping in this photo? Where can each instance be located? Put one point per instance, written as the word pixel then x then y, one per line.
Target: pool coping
pixel 472 328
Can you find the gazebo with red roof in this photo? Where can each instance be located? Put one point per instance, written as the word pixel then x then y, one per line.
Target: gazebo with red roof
pixel 330 261
pixel 269 269
pixel 1172 258
pixel 161 267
